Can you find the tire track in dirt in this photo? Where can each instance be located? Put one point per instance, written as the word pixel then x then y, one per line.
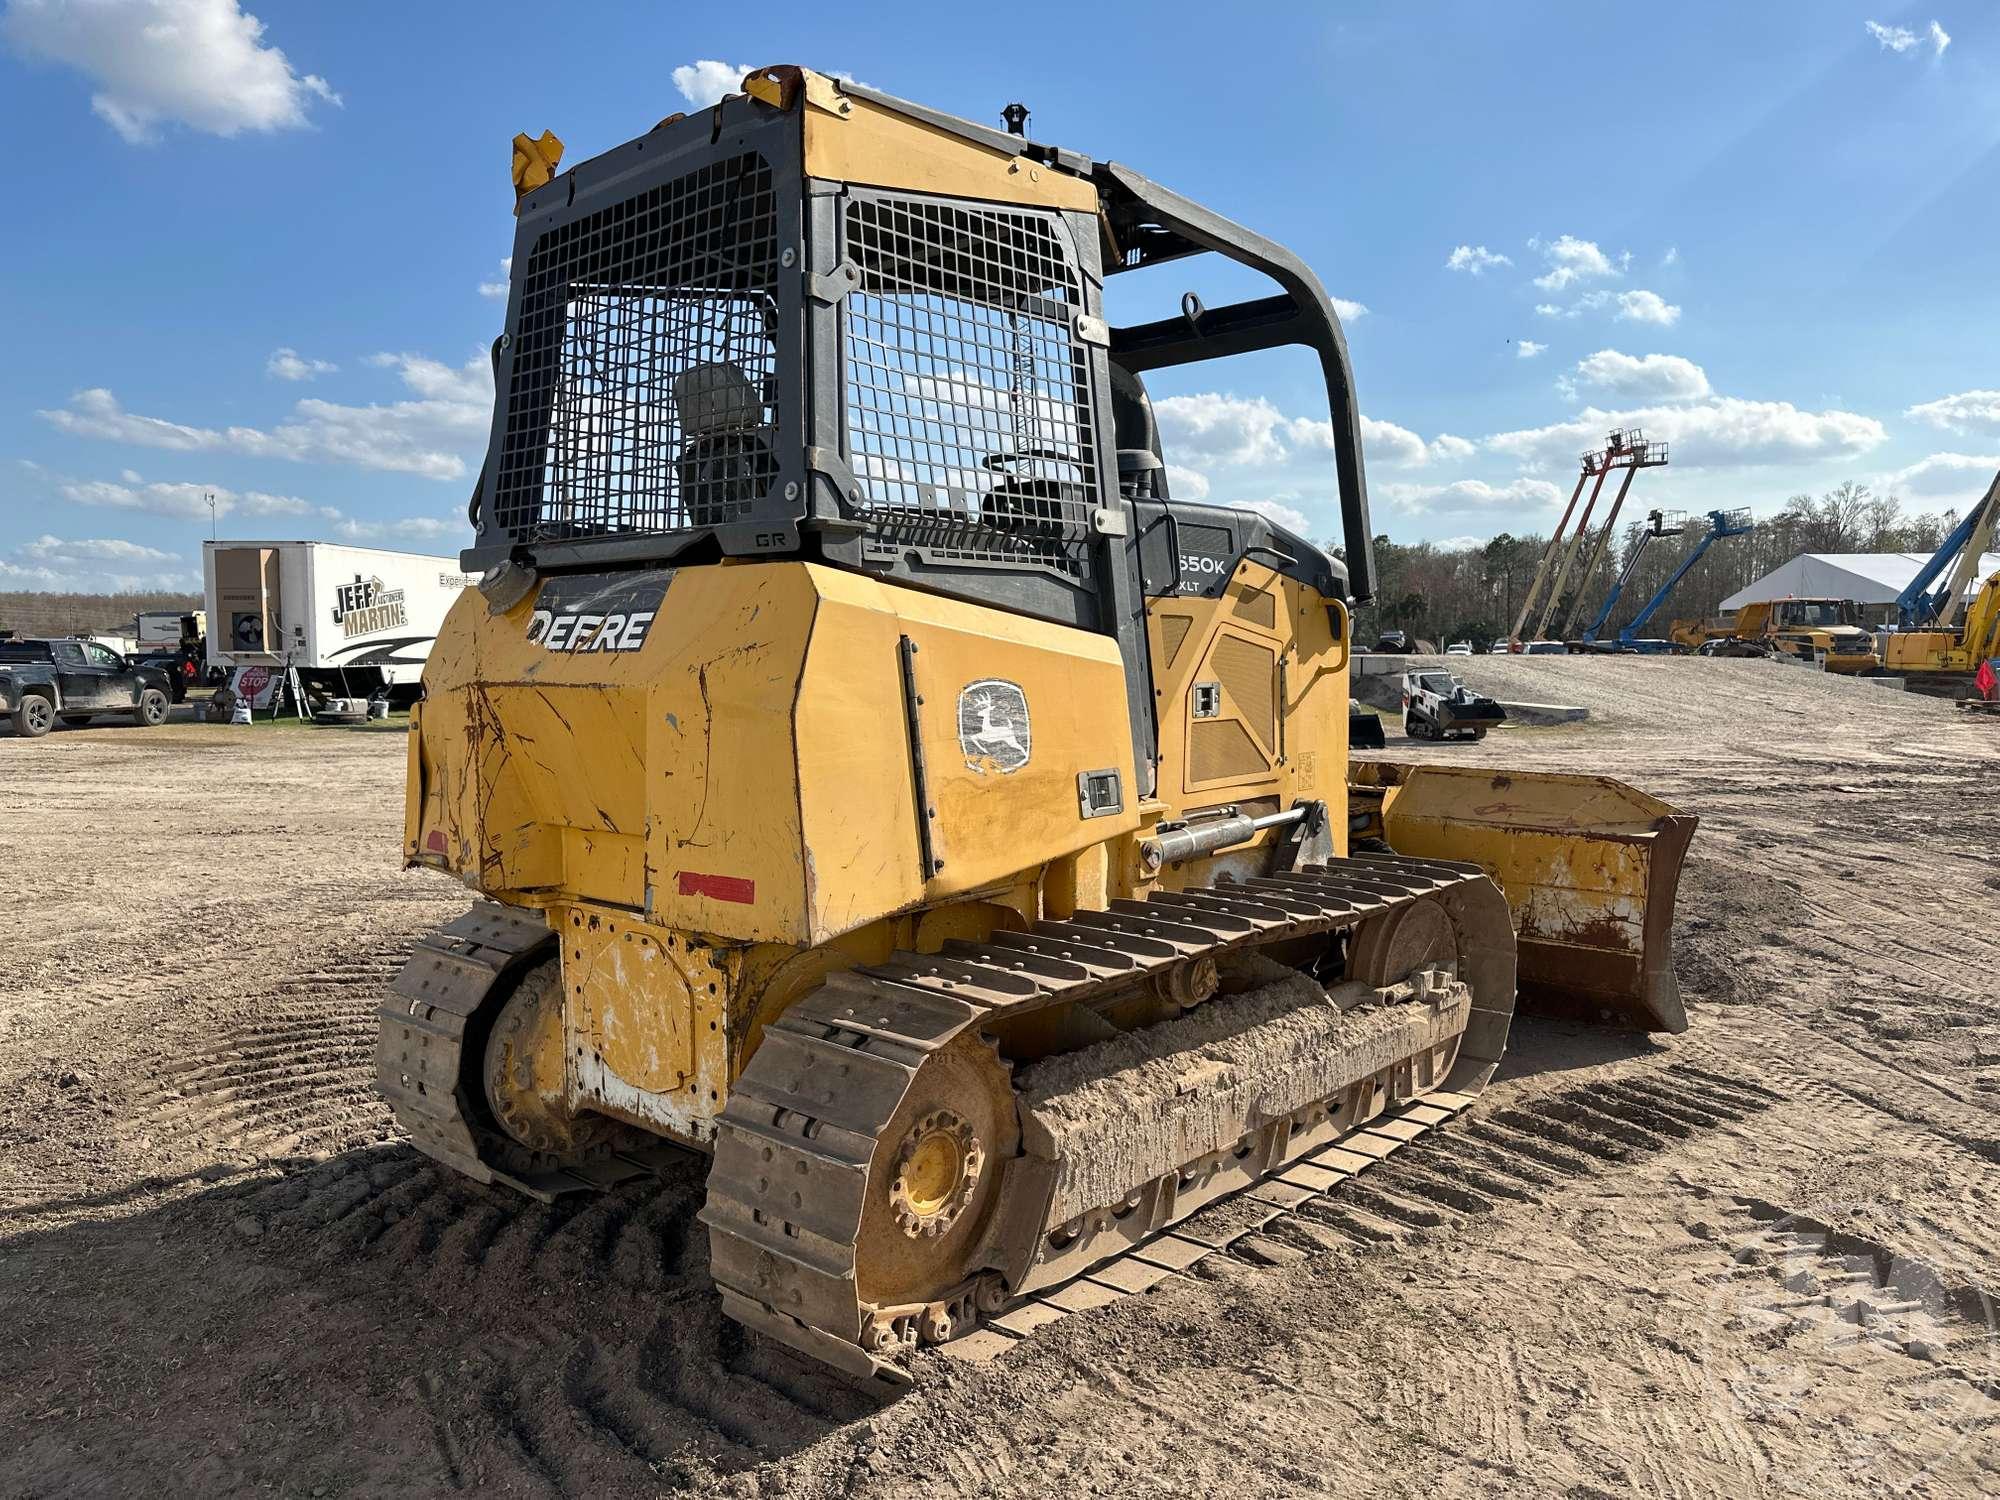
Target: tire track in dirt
pixel 561 1399
pixel 298 1076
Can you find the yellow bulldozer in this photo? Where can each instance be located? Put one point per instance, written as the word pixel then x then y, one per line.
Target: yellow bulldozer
pixel 876 781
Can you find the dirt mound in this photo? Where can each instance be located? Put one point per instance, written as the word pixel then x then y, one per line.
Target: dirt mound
pixel 1723 910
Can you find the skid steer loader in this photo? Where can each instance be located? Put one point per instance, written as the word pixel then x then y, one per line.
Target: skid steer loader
pixel 877 781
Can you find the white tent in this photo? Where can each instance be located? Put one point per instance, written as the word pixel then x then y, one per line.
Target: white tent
pixel 1864 577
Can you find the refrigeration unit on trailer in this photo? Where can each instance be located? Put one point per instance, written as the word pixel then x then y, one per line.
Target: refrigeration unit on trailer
pixel 349 620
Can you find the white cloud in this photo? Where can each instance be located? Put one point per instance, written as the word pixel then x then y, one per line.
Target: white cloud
pixel 1214 430
pixel 184 501
pixel 498 289
pixel 1943 474
pixel 1647 307
pixel 1386 443
pixel 469 384
pixel 426 436
pixel 199 63
pixel 1571 260
pixel 1710 431
pixel 94 565
pixel 1463 495
pixel 1643 377
pixel 1672 257
pixel 101 549
pixel 1900 39
pixel 1221 429
pixel 1892 38
pixel 1349 311
pixel 1968 411
pixel 190 502
pixel 1528 349
pixel 289 364
pixel 1476 260
pixel 1460 543
pixel 1186 484
pixel 1276 510
pixel 409 529
pixel 1637 306
pixel 705 82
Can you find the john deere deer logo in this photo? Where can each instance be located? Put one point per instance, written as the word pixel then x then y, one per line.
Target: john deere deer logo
pixel 993 725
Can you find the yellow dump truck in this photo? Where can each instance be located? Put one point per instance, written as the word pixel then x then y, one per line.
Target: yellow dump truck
pixel 1809 629
pixel 875 780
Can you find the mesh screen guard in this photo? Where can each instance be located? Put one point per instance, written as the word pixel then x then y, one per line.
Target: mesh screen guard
pixel 662 342
pixel 644 359
pixel 969 411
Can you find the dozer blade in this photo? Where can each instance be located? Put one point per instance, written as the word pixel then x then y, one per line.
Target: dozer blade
pixel 1589 867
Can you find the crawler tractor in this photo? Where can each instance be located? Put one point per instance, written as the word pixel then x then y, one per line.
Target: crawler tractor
pixel 877 781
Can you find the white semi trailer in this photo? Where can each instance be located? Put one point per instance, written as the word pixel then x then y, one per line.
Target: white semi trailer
pixel 349 620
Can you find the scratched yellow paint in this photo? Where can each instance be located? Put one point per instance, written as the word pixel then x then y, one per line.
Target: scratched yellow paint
pixel 644 1018
pixel 1580 858
pixel 721 818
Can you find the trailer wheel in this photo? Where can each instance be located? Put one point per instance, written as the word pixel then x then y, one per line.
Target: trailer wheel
pixel 152 709
pixel 34 715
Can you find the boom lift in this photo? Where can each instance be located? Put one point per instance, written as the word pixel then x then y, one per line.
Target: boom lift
pixel 1623 449
pixel 878 782
pixel 1659 523
pixel 1721 525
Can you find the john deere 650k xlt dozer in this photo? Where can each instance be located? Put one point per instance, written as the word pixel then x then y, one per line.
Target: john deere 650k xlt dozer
pixel 881 784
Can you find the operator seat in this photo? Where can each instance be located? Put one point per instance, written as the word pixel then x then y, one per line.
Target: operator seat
pixel 726 460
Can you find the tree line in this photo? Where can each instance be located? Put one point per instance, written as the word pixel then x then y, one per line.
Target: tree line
pixel 1440 594
pixel 39 614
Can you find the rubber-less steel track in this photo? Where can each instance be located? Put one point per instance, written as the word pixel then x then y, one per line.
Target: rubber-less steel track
pixel 440 1011
pixel 796 1147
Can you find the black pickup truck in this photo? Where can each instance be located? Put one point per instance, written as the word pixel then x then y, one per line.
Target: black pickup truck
pixel 75 680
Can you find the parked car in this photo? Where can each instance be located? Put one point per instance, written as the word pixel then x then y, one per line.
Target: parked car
pixel 1545 648
pixel 1500 647
pixel 1392 641
pixel 75 680
pixel 183 668
pixel 1459 648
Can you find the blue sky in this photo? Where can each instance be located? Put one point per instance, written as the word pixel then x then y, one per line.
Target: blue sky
pixel 256 257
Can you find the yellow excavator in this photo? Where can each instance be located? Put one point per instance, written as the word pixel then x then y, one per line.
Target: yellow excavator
pixel 874 779
pixel 1949 634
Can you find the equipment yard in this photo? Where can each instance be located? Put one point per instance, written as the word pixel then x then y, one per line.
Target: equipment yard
pixel 1754 1259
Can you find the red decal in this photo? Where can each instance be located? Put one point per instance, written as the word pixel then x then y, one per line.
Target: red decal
pixel 718 887
pixel 435 843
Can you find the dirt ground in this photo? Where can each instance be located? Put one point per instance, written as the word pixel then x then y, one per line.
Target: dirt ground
pixel 1753 1260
